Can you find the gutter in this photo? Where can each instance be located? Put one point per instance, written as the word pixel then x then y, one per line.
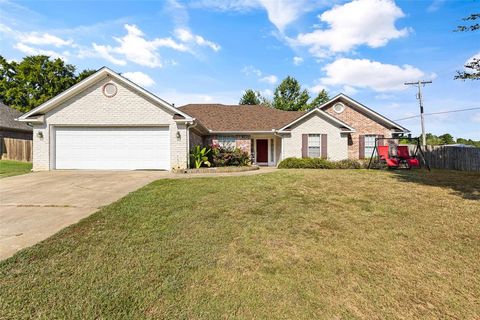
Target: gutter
pixel 37 120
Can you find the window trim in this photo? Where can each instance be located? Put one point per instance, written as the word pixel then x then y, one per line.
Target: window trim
pixel 368 153
pixel 319 147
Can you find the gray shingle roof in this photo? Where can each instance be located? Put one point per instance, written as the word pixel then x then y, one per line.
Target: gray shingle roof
pixel 7 119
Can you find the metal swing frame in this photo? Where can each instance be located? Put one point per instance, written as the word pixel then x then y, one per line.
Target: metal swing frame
pixel 418 149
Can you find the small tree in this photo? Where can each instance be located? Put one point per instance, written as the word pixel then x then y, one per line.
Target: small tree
pixel 320 99
pixel 472 67
pixel 289 96
pixel 250 97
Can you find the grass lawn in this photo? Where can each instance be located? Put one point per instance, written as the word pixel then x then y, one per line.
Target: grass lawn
pixel 293 244
pixel 12 168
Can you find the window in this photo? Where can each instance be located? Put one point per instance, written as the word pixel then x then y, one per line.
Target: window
pixel 226 141
pixel 338 107
pixel 314 146
pixel 369 145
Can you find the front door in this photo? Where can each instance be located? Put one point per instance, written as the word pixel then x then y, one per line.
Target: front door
pixel 262 150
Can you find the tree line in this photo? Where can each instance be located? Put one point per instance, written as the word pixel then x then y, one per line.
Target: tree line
pixel 446 138
pixel 288 96
pixel 27 84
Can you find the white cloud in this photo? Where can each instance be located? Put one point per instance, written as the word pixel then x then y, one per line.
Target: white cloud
pixel 267 93
pixel 297 61
pixel 281 13
pixel 25 40
pixel 136 48
pixel 349 90
pixel 384 96
pixel 317 88
pixel 251 70
pixel 44 39
pixel 187 36
pixel 104 52
pixel 271 79
pixel 364 73
pixel 227 5
pixel 435 5
pixel 180 98
pixel 35 51
pixel 139 78
pixel 360 22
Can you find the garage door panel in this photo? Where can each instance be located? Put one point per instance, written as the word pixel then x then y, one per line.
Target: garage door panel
pixel 112 148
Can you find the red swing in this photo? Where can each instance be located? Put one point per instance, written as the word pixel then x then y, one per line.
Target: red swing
pixel 404 155
pixel 385 157
pixel 402 159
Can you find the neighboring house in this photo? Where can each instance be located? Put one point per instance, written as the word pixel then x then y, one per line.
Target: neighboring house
pixel 15 137
pixel 108 122
pixel 9 128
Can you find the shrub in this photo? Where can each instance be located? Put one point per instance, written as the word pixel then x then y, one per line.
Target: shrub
pixel 349 164
pixel 306 163
pixel 199 156
pixel 225 156
pixel 318 163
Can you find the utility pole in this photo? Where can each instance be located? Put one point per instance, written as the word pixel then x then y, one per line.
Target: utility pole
pixel 419 84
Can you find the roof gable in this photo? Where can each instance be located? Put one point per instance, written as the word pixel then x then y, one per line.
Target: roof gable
pixel 317 111
pixel 87 82
pixel 364 110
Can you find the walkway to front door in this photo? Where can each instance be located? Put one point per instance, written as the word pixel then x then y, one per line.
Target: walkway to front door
pixel 262 151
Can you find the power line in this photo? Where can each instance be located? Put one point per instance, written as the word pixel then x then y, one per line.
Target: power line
pixel 441 112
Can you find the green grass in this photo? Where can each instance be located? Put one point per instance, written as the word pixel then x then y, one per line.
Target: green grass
pixel 10 168
pixel 293 244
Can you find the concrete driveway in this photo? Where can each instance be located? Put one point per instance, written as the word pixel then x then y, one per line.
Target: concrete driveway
pixel 35 206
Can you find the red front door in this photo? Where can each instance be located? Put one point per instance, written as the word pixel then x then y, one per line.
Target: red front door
pixel 262 150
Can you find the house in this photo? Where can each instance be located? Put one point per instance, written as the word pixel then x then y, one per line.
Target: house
pixel 9 128
pixel 13 134
pixel 109 122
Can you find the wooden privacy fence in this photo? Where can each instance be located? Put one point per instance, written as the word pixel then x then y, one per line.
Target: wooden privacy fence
pixel 453 158
pixel 16 149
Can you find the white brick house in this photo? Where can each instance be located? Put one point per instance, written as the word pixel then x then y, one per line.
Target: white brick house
pixel 108 122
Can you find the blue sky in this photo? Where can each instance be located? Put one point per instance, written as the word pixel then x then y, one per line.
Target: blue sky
pixel 210 51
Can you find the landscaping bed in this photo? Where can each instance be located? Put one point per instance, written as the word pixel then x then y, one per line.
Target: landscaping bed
pixel 218 169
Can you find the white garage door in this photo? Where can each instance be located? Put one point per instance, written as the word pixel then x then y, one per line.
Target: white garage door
pixel 112 148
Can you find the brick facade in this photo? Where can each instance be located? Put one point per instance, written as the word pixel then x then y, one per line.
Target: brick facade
pixel 196 139
pixel 363 125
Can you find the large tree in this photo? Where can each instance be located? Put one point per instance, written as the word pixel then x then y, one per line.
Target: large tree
pixel 26 84
pixel 289 96
pixel 250 97
pixel 472 67
pixel 320 99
